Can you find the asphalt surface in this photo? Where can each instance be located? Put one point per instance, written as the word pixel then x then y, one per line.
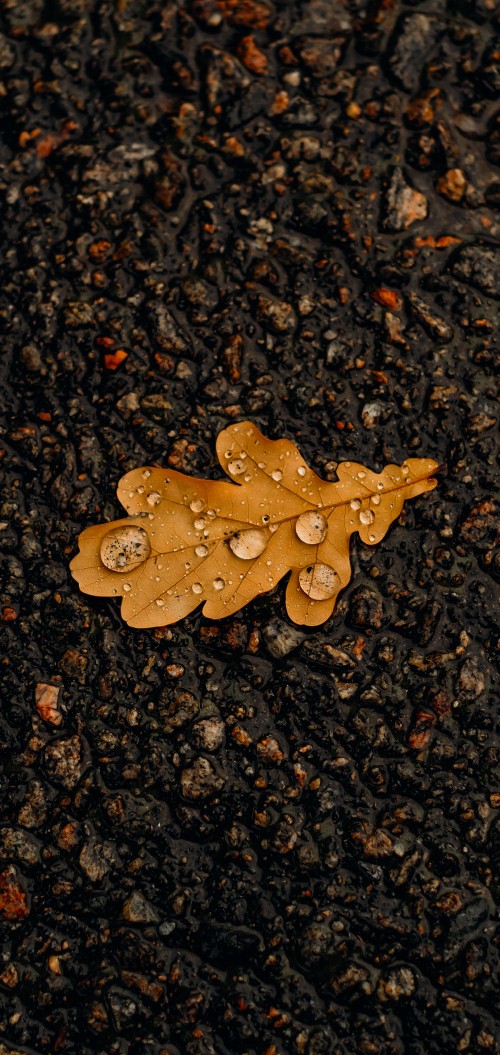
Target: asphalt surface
pixel 244 838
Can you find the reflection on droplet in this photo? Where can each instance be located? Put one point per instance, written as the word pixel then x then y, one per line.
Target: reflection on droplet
pixel 124 548
pixel 197 587
pixel 311 527
pixel 201 551
pixel 196 505
pixel 248 544
pixel 237 467
pixel 301 470
pixel 153 498
pixel 367 516
pixel 277 475
pixel 319 581
pixel 355 503
pixel 219 584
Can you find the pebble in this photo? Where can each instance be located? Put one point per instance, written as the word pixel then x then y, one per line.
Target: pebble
pixel 136 909
pixel 404 204
pixel 200 780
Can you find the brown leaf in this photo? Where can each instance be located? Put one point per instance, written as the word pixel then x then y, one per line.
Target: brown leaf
pixel 188 541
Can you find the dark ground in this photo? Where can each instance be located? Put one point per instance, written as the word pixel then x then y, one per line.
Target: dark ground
pixel 242 838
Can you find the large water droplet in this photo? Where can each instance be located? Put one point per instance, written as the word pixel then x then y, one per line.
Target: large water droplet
pixel 201 551
pixel 124 548
pixel 311 527
pixel 367 516
pixel 319 581
pixel 248 544
pixel 237 467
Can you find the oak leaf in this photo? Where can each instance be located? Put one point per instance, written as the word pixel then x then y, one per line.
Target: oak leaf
pixel 186 541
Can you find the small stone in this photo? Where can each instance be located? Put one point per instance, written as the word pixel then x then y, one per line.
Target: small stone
pixel 404 204
pixel 399 983
pixel 13 900
pixel 137 910
pixel 209 733
pixel 281 638
pixel 278 314
pixel 269 750
pixel 415 34
pixel 370 414
pixel 365 609
pixel 471 681
pixel 200 780
pixel 479 265
pixel 452 185
pixel 63 761
pixel 96 859
pixel 437 328
pixel 46 697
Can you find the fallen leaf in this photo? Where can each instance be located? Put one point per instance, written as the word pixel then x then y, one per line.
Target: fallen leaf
pixel 188 541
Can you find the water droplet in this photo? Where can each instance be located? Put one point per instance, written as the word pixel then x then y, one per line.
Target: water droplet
pixel 201 551
pixel 247 478
pixel 372 538
pixel 200 523
pixel 146 474
pixel 187 565
pixel 153 498
pixel 197 587
pixel 266 518
pixel 127 587
pixel 277 475
pixel 219 584
pixel 273 527
pixel 301 470
pixel 196 505
pixel 376 500
pixel 228 454
pixel 261 465
pixel 405 470
pixel 380 486
pixel 160 602
pixel 319 581
pixel 355 504
pixel 347 465
pixel 124 548
pixel 141 489
pixel 361 475
pixel 157 578
pixel 211 513
pixel 237 467
pixel 367 516
pixel 248 544
pixel 311 527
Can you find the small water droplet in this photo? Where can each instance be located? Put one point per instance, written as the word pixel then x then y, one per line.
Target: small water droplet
pixel 201 551
pixel 127 587
pixel 157 578
pixel 187 565
pixel 319 581
pixel 219 584
pixel 367 516
pixel 248 544
pixel 146 474
pixel 311 527
pixel 141 489
pixel 405 470
pixel 228 454
pixel 347 465
pixel 211 513
pixel 200 523
pixel 372 538
pixel 153 498
pixel 237 467
pixel 247 478
pixel 355 503
pixel 277 475
pixel 196 505
pixel 376 500
pixel 197 587
pixel 160 602
pixel 301 470
pixel 261 465
pixel 380 486
pixel 266 518
pixel 124 548
pixel 361 475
